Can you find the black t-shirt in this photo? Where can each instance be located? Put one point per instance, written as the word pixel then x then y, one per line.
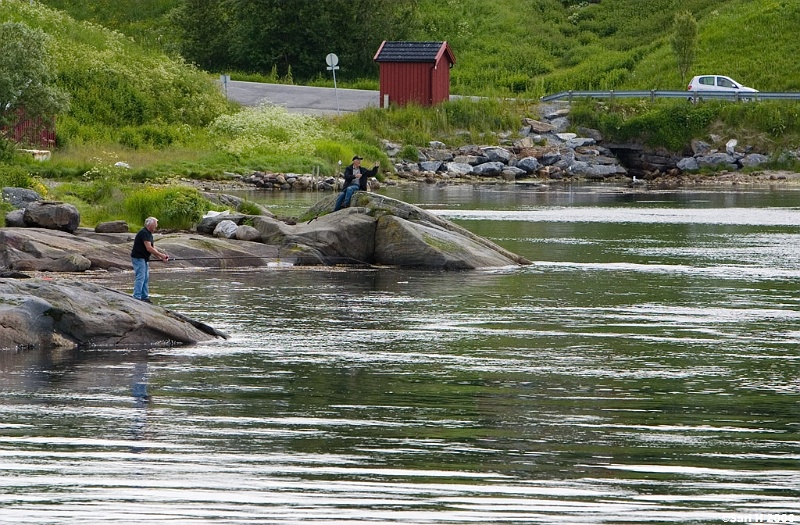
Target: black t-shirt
pixel 139 251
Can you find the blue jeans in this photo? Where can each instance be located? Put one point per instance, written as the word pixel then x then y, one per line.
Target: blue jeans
pixel 141 272
pixel 345 196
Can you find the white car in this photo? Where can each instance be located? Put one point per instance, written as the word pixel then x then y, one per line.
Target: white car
pixel 719 84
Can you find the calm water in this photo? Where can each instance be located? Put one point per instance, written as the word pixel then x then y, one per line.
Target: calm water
pixel 645 369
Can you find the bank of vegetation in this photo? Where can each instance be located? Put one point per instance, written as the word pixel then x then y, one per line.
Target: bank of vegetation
pixel 144 107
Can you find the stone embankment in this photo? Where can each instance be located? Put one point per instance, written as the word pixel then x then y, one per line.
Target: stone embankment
pixel 544 151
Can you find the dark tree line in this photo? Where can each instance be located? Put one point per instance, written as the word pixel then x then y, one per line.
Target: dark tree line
pixel 290 35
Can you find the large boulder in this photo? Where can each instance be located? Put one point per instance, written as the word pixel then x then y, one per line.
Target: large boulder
pixel 16 218
pixel 52 215
pixel 347 236
pixel 380 230
pixel 37 313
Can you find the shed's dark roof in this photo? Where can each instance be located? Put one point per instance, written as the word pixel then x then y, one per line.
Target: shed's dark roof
pixel 413 52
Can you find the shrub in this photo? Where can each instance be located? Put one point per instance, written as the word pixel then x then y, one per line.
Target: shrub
pixel 267 129
pixel 15 177
pixel 175 207
pixel 409 152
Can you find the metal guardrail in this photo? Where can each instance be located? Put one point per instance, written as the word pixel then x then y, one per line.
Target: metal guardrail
pixel 654 94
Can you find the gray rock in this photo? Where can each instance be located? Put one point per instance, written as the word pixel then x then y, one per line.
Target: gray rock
pixel 440 155
pixel 20 197
pixel 377 229
pixel 472 160
pixel 489 169
pixel 459 168
pixel 15 218
pixel 52 215
pixel 550 158
pixel 208 224
pixel 717 160
pixel 391 148
pixel 247 233
pixel 560 123
pixel 528 165
pixel 595 171
pixel 225 229
pixel 344 236
pixel 71 263
pixel 52 314
pixel 524 143
pixel 539 127
pixel 749 161
pixel 498 154
pixel 430 165
pixel 592 133
pixel 112 227
pixel 688 164
pixel 579 142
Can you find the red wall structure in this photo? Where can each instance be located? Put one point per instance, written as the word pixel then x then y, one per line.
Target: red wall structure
pixel 414 72
pixel 37 132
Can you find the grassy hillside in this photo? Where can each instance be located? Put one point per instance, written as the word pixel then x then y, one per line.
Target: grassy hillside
pixel 535 47
pixel 549 46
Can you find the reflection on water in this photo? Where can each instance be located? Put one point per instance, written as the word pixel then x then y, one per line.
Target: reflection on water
pixel 634 373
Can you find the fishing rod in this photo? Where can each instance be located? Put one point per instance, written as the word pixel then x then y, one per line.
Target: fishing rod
pixel 214 257
pixel 331 261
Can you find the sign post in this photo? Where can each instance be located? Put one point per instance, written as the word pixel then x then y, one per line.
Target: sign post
pixel 333 64
pixel 225 79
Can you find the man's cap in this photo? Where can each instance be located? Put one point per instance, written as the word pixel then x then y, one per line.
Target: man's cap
pixel 356 157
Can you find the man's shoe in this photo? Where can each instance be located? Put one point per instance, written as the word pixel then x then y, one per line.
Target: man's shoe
pixel 146 299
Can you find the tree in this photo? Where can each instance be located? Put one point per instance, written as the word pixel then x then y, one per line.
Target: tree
pixel 26 78
pixel 205 29
pixel 684 42
pixel 259 36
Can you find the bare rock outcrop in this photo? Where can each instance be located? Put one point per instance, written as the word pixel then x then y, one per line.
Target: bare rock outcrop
pixel 37 313
pixel 380 230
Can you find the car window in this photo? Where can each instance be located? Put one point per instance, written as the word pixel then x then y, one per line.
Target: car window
pixel 724 82
pixel 707 81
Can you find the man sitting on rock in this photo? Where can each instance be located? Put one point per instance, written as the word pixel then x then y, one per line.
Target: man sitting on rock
pixel 355 179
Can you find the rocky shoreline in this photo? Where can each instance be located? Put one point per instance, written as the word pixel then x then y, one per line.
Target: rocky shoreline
pixel 545 153
pixel 37 311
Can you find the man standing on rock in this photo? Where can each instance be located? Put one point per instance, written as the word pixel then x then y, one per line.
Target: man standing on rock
pixel 142 248
pixel 355 179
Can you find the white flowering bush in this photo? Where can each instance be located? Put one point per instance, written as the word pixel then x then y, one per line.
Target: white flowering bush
pixel 269 129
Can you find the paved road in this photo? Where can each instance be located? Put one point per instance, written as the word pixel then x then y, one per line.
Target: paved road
pixel 303 99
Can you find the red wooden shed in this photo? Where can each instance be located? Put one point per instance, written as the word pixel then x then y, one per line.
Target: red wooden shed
pixel 414 72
